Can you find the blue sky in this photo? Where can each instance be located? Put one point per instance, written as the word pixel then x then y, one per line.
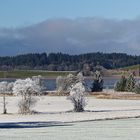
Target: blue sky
pixel 26 12
pixel 69 26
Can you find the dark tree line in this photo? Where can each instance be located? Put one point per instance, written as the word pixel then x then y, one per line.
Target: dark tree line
pixel 61 62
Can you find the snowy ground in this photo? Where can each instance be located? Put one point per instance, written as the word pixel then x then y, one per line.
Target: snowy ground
pixel 55 121
pixel 124 129
pixel 55 110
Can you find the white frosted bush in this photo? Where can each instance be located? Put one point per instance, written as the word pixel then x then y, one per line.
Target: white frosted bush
pixel 65 84
pixel 80 77
pixel 60 84
pixel 39 81
pixel 77 97
pixel 26 88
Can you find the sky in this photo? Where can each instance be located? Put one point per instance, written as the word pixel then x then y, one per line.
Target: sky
pixel 15 13
pixel 69 26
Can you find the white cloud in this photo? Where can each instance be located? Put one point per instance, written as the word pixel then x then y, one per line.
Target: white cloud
pixel 73 36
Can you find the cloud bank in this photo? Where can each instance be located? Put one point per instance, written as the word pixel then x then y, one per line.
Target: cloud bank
pixel 73 36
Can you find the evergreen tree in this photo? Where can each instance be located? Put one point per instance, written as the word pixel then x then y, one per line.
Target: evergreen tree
pixel 137 87
pixel 97 84
pixel 121 84
pixel 130 83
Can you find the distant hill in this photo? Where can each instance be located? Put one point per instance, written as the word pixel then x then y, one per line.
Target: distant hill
pixel 66 62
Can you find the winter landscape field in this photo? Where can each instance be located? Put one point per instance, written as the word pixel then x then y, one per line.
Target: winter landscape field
pixel 70 70
pixel 54 119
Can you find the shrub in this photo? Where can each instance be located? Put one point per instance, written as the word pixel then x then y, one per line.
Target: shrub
pixel 26 88
pixel 64 84
pixel 39 82
pixel 77 97
pixel 60 84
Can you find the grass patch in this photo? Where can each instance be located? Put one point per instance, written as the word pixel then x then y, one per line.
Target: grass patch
pixel 30 73
pixel 118 96
pixel 134 67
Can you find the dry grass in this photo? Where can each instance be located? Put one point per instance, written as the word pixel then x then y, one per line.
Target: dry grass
pixel 117 96
pixel 98 95
pixel 103 95
pixel 57 94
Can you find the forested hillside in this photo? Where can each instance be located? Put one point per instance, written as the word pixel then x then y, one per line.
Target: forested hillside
pixel 66 62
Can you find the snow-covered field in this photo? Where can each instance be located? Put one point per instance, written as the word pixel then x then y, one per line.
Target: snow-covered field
pixel 125 129
pixel 58 109
pixel 56 121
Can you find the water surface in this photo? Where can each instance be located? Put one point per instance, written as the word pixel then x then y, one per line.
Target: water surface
pixel 50 84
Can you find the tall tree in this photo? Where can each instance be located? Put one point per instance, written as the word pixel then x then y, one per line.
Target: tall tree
pixel 97 84
pixel 130 83
pixel 121 84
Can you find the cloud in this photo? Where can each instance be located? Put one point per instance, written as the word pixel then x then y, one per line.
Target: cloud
pixel 73 36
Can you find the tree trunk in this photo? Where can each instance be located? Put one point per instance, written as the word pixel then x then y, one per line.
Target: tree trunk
pixel 4 105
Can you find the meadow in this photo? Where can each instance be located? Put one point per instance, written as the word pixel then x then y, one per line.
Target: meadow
pixel 30 73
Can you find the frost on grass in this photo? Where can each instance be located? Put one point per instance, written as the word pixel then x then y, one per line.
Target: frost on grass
pixel 26 89
pixel 77 97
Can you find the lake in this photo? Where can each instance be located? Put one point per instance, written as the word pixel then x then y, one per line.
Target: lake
pixel 50 84
pixel 124 129
pixel 108 83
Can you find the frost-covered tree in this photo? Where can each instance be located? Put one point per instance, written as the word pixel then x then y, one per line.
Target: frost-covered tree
pixel 39 81
pixel 5 88
pixel 26 88
pixel 71 80
pixel 64 84
pixel 77 97
pixel 10 87
pixel 80 77
pixel 137 87
pixel 60 84
pixel 97 84
pixel 121 84
pixel 130 83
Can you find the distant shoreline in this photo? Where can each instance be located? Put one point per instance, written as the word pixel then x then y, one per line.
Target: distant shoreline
pixel 54 77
